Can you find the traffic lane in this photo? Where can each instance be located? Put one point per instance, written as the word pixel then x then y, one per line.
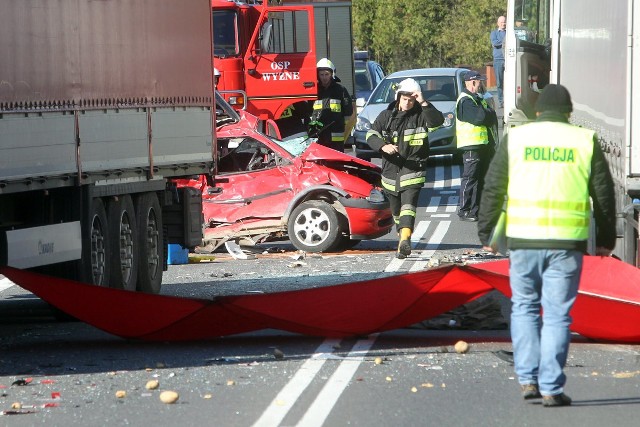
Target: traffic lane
pixel 242 379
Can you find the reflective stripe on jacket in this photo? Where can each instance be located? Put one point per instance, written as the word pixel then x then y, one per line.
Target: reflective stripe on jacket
pixel 548 192
pixel 468 134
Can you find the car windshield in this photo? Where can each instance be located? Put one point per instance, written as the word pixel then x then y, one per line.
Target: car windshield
pixel 363 83
pixel 294 145
pixel 224 33
pixel 434 88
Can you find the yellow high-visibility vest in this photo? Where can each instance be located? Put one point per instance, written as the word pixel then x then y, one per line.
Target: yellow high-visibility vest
pixel 466 133
pixel 548 192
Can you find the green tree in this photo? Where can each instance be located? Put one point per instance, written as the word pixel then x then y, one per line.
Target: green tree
pixel 405 34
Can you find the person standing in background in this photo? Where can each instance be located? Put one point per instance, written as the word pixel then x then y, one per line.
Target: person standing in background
pixel 497 42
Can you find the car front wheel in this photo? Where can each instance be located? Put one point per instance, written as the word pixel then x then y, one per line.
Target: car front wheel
pixel 314 226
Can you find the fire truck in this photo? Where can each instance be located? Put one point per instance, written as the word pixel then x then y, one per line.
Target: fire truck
pixel 267 53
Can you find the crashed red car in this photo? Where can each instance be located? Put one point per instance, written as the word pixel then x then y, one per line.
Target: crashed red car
pixel 267 189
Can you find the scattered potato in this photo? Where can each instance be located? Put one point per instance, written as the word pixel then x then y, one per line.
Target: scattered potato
pixel 152 385
pixel 120 394
pixel 461 347
pixel 378 360
pixel 16 405
pixel 169 396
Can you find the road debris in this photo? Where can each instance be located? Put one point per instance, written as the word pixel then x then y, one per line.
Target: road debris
pixel 152 385
pixel 461 347
pixel 169 396
pixel 121 394
pixel 236 251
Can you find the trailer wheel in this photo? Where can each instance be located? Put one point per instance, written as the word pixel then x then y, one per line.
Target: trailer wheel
pixel 95 266
pixel 123 234
pixel 314 226
pixel 150 247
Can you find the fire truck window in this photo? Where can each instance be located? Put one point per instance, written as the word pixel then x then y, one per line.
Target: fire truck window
pixel 224 33
pixel 289 32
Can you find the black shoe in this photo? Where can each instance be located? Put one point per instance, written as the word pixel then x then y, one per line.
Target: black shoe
pixel 556 400
pixel 404 248
pixel 469 218
pixel 530 391
pixel 400 255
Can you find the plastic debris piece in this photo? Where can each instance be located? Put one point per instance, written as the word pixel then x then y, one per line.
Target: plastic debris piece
pixel 55 395
pixel 236 251
pixel 22 381
pixel 169 396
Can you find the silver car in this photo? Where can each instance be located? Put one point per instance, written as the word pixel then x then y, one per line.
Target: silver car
pixel 440 86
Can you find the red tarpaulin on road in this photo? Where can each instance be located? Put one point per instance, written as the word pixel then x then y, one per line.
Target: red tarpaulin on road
pixel 608 306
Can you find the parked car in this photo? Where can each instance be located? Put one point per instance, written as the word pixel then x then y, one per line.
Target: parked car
pixel 267 189
pixel 440 86
pixel 368 74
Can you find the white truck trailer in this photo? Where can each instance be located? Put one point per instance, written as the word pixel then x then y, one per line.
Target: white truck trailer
pixel 102 103
pixel 593 48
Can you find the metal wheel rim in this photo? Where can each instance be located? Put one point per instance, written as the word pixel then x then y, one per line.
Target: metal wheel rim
pixel 126 247
pixel 152 233
pixel 312 227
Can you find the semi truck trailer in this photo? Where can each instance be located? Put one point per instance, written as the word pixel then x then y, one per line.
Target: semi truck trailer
pixel 102 105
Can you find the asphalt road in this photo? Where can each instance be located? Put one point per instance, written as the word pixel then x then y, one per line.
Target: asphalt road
pixel 71 374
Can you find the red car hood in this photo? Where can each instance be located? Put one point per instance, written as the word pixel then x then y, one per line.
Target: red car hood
pixel 317 152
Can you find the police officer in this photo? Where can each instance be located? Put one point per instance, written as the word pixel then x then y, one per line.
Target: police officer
pixel 399 133
pixel 474 123
pixel 548 171
pixel 330 109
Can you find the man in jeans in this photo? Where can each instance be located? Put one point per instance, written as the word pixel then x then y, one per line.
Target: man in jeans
pixel 551 173
pixel 497 43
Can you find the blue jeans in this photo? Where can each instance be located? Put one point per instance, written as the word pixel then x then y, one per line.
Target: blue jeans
pixel 498 69
pixel 547 279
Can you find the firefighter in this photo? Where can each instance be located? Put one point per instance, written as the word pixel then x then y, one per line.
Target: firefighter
pixel 330 109
pixel 216 76
pixel 400 135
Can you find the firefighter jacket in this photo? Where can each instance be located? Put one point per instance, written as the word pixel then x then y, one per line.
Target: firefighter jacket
pixel 332 106
pixel 548 170
pixel 474 121
pixel 409 131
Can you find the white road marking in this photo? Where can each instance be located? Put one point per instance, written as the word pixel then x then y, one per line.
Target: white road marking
pixel 433 204
pixel 419 230
pixel 438 182
pixel 432 245
pixel 441 216
pixel 448 192
pixel 455 176
pixel 5 284
pixel 290 393
pixel 452 204
pixel 319 410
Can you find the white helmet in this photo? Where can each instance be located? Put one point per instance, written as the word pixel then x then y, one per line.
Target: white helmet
pixel 326 64
pixel 216 73
pixel 408 86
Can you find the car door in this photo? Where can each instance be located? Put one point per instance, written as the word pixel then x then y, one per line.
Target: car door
pixel 252 182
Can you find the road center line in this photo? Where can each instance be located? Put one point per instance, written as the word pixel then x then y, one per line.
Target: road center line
pixel 432 245
pixel 419 231
pixel 284 401
pixel 319 410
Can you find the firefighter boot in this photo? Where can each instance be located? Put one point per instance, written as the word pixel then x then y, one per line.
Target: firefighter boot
pixel 404 247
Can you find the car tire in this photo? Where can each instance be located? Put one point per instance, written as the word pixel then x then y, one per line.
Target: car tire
pixel 314 226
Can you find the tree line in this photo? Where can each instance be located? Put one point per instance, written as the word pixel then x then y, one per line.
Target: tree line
pixel 405 34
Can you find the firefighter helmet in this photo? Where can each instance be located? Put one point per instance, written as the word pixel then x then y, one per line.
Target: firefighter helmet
pixel 408 86
pixel 326 64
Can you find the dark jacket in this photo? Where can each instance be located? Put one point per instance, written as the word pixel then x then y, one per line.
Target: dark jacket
pixel 600 190
pixel 474 113
pixel 410 158
pixel 333 121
